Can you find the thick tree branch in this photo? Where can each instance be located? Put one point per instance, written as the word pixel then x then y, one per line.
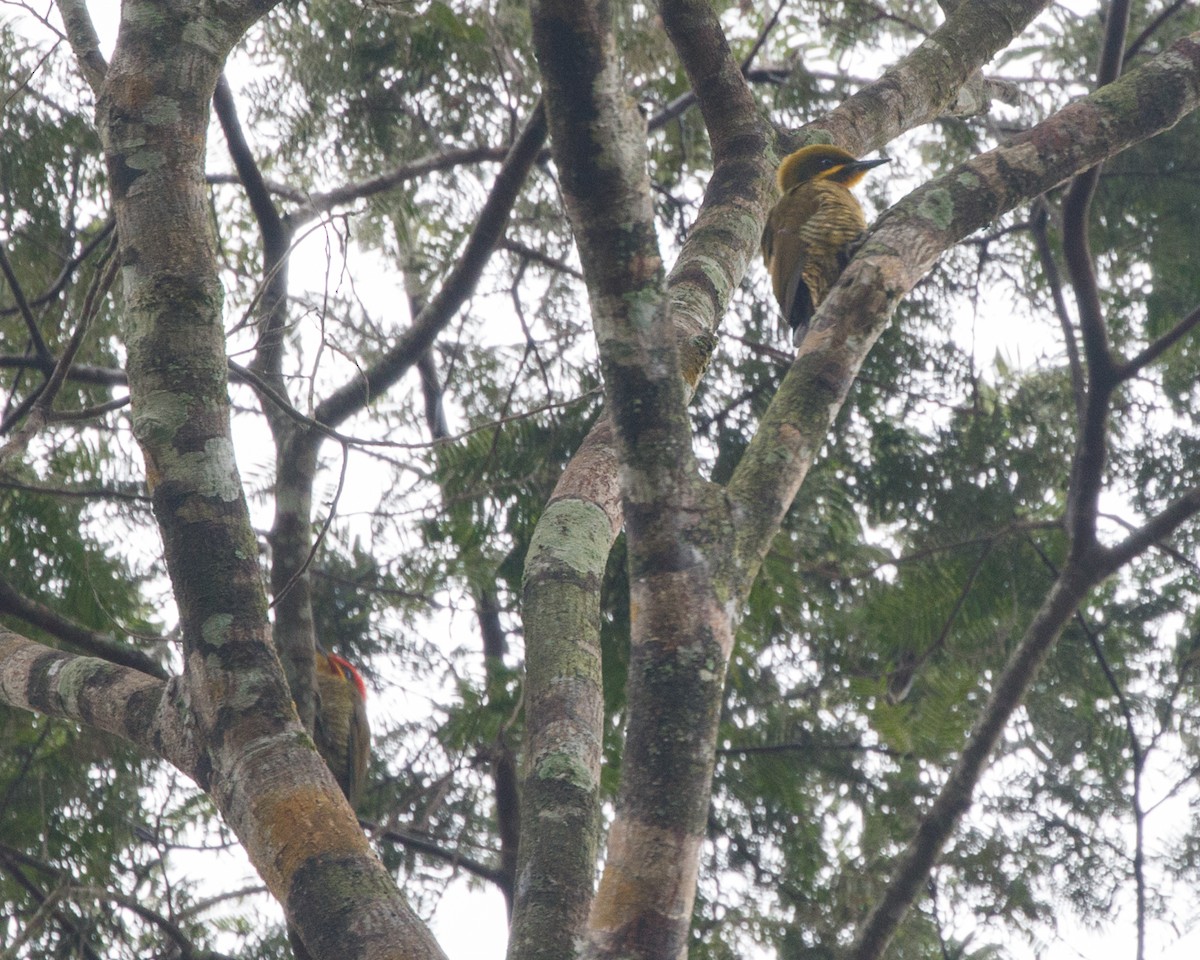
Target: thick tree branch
pixel 84 41
pixel 120 700
pixel 567 556
pixel 725 235
pixel 919 87
pixel 1091 454
pixel 602 171
pixel 906 242
pixel 681 632
pixel 262 773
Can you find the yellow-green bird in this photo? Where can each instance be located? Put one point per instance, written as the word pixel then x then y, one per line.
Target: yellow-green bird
pixel 342 734
pixel 810 228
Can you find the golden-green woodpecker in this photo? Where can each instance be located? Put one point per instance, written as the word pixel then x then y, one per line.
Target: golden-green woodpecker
pixel 809 229
pixel 341 732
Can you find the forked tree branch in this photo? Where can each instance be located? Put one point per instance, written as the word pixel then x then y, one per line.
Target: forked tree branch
pixel 456 287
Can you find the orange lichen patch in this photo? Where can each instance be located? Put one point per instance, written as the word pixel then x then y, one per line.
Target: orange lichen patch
pixel 675 608
pixel 136 91
pixel 643 268
pixel 305 822
pixel 643 878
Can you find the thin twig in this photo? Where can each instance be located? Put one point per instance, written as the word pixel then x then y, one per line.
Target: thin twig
pixel 320 537
pixel 35 335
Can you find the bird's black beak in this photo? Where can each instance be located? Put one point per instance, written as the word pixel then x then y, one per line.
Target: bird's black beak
pixel 868 164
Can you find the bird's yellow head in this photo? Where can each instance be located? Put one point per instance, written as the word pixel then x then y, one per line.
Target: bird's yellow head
pixel 342 668
pixel 822 162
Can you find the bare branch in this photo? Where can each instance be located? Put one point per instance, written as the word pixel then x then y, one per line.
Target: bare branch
pixel 1157 528
pixel 436 850
pixel 457 286
pixel 80 373
pixel 319 203
pixel 682 103
pixel 529 253
pixel 1087 472
pixel 41 408
pixel 1041 239
pixel 68 269
pixel 1153 27
pixel 31 326
pixel 14 603
pixel 1130 368
pixel 954 799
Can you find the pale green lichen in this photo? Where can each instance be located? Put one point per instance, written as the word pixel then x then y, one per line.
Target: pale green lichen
pixel 144 159
pixel 215 629
pixel 643 309
pixel 213 471
pixel 937 206
pixel 563 767
pixel 71 678
pixel 574 533
pixel 144 15
pixel 161 111
pixel 209 34
pixel 817 136
pixel 158 415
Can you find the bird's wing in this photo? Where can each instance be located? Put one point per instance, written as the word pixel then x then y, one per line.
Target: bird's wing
pixel 784 243
pixel 358 748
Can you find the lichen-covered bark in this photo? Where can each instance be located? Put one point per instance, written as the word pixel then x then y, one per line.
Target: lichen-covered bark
pixel 927 81
pixel 564 707
pixel 712 264
pixel 145 710
pixel 904 244
pixel 681 631
pixel 728 226
pixel 152 112
pixel 254 758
